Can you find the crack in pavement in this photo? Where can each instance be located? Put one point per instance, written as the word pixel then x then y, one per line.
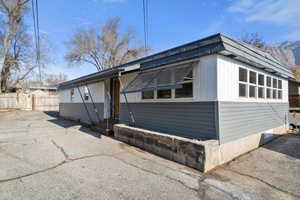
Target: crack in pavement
pixel 262 181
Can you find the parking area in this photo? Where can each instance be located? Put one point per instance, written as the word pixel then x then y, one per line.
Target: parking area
pixel 45 157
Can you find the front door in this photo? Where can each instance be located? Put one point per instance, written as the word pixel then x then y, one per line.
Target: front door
pixel 115 94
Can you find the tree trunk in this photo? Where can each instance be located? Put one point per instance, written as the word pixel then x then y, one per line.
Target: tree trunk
pixel 4 80
pixel 3 55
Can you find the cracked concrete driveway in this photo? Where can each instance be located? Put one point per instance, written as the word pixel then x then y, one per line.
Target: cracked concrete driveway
pixel 44 157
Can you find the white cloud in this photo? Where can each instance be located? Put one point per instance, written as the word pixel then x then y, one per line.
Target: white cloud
pixel 280 12
pixel 284 12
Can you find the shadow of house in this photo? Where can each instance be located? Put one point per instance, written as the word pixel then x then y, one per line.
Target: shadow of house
pixel 68 124
pixel 288 144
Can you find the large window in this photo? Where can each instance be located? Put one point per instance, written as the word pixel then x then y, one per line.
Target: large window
pixel 185 91
pixel 257 85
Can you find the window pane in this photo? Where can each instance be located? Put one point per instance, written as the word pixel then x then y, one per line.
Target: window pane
pixel 279 84
pixel 261 79
pixel 274 83
pixel 242 90
pixel 279 94
pixel 164 94
pixel 252 91
pixel 261 92
pixel 253 77
pixel 148 95
pixel 269 93
pixel 184 92
pixel 274 94
pixel 269 83
pixel 243 75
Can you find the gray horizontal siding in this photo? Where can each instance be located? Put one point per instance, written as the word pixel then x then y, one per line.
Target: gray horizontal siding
pixel 187 119
pixel 240 119
pixel 77 111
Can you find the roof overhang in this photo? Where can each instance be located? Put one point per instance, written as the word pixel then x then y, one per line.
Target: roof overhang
pixel 91 78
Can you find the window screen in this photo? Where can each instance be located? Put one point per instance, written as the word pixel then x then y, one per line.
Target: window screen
pixel 242 90
pixel 243 75
pixel 252 91
pixel 252 77
pixel 261 79
pixel 274 83
pixel 160 79
pixel 148 95
pixel 269 81
pixel 261 92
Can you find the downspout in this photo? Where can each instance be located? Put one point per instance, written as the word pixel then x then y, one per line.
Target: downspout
pixel 126 101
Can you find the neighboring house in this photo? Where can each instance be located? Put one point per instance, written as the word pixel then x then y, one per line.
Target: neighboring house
pixel 39 90
pixel 215 88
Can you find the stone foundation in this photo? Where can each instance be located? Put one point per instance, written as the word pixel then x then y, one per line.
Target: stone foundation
pixel 201 155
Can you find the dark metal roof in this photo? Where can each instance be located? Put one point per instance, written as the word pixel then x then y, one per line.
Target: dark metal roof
pixel 215 44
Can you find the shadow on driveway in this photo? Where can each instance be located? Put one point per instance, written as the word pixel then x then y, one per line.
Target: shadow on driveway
pixel 288 144
pixel 68 123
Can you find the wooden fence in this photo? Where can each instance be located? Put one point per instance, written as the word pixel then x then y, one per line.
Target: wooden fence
pixel 294 100
pixel 28 102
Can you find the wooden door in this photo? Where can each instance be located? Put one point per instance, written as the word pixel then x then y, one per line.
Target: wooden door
pixel 115 93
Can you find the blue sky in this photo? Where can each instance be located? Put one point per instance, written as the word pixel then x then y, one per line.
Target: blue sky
pixel 171 22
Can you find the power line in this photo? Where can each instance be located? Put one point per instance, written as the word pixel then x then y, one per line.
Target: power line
pixel 35 15
pixel 146 26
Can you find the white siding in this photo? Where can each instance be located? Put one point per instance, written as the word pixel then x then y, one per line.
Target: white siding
pixel 96 89
pixel 228 81
pixel 204 85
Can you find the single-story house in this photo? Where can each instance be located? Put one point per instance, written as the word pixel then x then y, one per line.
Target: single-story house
pixel 216 88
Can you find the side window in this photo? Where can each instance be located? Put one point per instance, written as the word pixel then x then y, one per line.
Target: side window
pixel 269 87
pixel 72 95
pixel 187 87
pixel 243 82
pixel 148 95
pixel 261 84
pixel 86 94
pixel 274 88
pixel 279 89
pixel 252 84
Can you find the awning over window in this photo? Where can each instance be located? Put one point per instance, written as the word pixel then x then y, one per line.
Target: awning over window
pixel 165 78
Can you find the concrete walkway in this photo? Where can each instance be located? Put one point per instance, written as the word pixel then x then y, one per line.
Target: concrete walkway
pixel 44 157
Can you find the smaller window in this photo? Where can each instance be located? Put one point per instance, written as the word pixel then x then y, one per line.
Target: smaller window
pixel 274 94
pixel 261 79
pixel 243 75
pixel 252 91
pixel 252 77
pixel 261 92
pixel 72 95
pixel 148 95
pixel 269 81
pixel 164 94
pixel 279 94
pixel 279 84
pixel 269 93
pixel 242 90
pixel 274 83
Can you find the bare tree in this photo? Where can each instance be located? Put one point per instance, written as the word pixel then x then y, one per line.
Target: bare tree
pixel 12 14
pixel 254 39
pixel 54 79
pixel 103 48
pixel 20 62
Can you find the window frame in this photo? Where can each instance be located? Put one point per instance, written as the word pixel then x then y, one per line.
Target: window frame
pixel 173 91
pixel 245 83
